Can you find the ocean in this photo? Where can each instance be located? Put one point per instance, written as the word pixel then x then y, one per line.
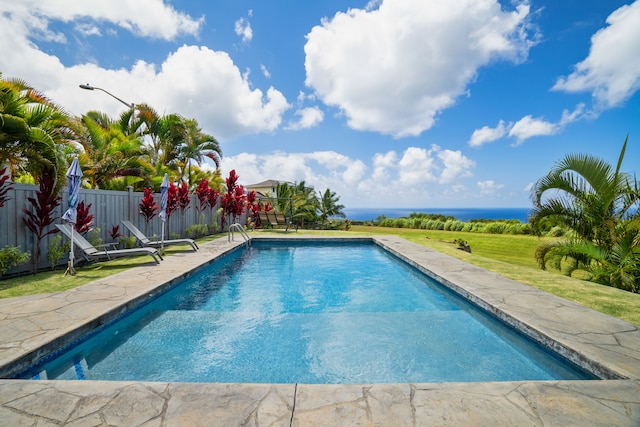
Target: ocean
pixel 462 214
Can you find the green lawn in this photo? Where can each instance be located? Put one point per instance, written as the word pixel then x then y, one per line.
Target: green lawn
pixel 510 256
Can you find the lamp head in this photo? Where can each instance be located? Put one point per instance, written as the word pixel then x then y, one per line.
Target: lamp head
pixel 87 87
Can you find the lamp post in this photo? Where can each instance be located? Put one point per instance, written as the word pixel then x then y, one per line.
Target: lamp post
pixel 89 87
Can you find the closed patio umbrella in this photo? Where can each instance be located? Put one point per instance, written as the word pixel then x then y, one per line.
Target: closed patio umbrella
pixel 74 174
pixel 164 195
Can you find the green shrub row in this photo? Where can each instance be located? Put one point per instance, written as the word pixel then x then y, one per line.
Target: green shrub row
pixel 452 224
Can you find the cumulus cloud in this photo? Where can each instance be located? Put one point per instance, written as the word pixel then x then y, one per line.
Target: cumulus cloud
pixel 455 165
pixel 243 29
pixel 487 134
pixel 528 127
pixel 395 65
pixel 489 187
pixel 308 118
pixel 146 18
pixel 321 169
pixel 416 165
pixel 611 71
pixel 525 128
pixel 406 178
pixel 204 84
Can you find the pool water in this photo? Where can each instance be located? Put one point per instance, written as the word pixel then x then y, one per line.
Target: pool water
pixel 308 313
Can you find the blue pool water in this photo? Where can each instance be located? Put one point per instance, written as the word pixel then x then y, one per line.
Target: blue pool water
pixel 308 313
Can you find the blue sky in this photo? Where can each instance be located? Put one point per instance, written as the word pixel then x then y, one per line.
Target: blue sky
pixel 389 103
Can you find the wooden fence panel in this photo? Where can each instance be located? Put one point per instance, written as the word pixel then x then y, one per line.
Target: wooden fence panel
pixel 108 207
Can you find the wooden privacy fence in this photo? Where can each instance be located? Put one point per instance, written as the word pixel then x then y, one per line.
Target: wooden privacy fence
pixel 108 207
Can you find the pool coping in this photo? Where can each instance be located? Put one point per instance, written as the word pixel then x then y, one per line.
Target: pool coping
pixel 29 326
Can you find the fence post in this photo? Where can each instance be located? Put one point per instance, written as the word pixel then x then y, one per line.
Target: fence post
pixel 130 202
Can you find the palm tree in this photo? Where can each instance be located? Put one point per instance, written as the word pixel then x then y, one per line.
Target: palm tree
pixel 328 205
pixel 165 135
pixel 109 154
pixel 195 147
pixel 31 129
pixel 600 205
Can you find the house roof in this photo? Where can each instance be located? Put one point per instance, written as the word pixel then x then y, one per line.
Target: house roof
pixel 267 183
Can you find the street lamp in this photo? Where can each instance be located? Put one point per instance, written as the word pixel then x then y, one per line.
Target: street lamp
pixel 89 87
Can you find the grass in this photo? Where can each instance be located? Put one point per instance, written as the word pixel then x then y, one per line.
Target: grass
pixel 57 281
pixel 508 255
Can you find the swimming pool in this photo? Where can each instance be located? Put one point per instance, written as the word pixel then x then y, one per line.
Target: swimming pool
pixel 308 313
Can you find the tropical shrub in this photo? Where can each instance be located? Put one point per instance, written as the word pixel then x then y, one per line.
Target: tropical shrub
pixel 84 220
pixel 127 242
pixel 115 233
pixel 600 205
pixel 57 249
pixel 44 204
pixel 148 206
pixel 12 256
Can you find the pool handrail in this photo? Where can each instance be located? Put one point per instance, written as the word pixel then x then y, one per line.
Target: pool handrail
pixel 237 227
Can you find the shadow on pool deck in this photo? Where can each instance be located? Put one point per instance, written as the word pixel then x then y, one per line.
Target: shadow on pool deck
pixel 31 326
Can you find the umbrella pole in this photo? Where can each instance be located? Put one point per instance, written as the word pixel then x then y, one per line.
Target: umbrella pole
pixel 70 270
pixel 162 237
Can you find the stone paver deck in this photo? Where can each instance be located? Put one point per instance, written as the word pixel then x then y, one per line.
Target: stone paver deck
pixel 32 326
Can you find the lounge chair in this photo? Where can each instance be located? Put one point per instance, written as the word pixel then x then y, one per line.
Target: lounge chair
pixel 145 241
pixel 91 253
pixel 264 219
pixel 282 220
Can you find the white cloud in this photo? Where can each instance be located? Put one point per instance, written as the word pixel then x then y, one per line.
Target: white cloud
pixel 572 116
pixel 193 81
pixel 265 71
pixel 528 127
pixel 145 18
pixel 489 187
pixel 393 67
pixel 455 165
pixel 416 166
pixel 88 29
pixel 308 118
pixel 243 29
pixel 487 134
pixel 321 169
pixel 406 179
pixel 611 71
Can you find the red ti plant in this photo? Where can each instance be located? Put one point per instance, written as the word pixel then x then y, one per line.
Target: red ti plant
pixel 148 206
pixel 44 205
pixel 253 207
pixel 172 199
pixel 183 197
pixel 233 201
pixel 213 197
pixel 202 192
pixel 84 219
pixel 115 232
pixel 5 186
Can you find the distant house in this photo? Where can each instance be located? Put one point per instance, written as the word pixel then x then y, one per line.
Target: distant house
pixel 266 189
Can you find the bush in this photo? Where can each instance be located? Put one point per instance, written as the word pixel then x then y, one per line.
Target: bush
pixel 57 249
pixel 94 237
pixel 12 256
pixel 495 228
pixel 127 242
pixel 197 230
pixel 556 231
